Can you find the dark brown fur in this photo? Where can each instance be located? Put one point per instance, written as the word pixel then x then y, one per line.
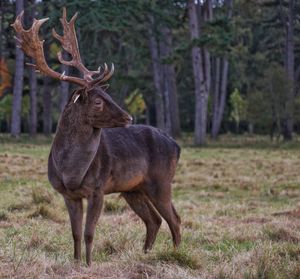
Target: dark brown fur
pixel 87 161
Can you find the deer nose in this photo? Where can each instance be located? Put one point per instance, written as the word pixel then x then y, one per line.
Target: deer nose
pixel 128 118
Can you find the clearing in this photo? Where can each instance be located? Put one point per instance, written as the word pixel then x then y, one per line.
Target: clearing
pixel 239 200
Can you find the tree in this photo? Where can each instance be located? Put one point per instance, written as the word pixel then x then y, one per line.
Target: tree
pixel 32 83
pixel 228 49
pixel 238 108
pixel 220 85
pixel 290 70
pixel 266 106
pixel 279 45
pixel 18 83
pixel 47 98
pixel 157 76
pixel 47 106
pixel 164 74
pixel 201 67
pixel 169 85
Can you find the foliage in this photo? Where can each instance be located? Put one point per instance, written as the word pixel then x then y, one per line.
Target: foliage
pixel 118 31
pixel 135 103
pixel 266 106
pixel 6 106
pixel 238 107
pixel 5 76
pixel 259 111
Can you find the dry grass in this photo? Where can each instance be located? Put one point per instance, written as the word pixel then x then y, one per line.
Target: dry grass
pixel 239 203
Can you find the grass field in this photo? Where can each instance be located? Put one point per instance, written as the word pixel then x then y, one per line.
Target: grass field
pixel 239 201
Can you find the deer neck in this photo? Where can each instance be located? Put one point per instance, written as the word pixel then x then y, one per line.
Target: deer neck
pixel 74 147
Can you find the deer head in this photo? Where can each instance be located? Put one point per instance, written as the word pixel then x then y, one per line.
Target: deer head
pixel 101 110
pixel 98 109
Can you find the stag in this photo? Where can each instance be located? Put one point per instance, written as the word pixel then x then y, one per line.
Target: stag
pixel 96 152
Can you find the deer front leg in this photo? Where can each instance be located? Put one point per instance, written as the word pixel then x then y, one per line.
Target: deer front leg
pixel 75 210
pixel 93 212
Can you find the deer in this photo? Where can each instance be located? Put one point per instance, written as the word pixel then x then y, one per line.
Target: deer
pixel 96 151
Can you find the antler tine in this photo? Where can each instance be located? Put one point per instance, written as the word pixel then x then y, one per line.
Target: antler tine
pixel 31 44
pixel 109 74
pixel 106 75
pixel 69 43
pixel 104 71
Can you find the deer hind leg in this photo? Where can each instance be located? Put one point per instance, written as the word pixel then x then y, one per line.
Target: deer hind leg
pixel 160 197
pixel 75 210
pixel 94 207
pixel 176 214
pixel 140 204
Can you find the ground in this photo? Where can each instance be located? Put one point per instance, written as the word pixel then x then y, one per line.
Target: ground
pixel 239 201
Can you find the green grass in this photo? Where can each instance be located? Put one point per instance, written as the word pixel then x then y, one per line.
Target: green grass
pixel 238 198
pixel 181 257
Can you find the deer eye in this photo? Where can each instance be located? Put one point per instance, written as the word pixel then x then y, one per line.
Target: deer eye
pixel 99 103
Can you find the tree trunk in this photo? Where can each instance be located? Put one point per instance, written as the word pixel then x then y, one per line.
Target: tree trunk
pixel 215 104
pixel 32 84
pixel 147 116
pixel 1 28
pixel 167 108
pixel 47 106
pixel 221 94
pixel 33 102
pixel 171 88
pixel 290 70
pixel 201 85
pixel 164 86
pixel 297 81
pixel 18 84
pixel 208 15
pixel 64 86
pixel 220 97
pixel 47 99
pixel 250 128
pixel 159 101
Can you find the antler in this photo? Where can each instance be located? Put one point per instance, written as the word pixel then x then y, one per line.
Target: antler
pixel 31 44
pixel 70 44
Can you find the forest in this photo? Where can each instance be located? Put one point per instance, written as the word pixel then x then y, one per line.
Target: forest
pixel 202 67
